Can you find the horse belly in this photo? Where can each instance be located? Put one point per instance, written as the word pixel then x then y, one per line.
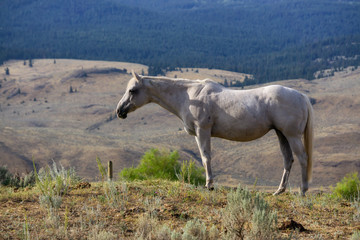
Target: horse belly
pixel 240 132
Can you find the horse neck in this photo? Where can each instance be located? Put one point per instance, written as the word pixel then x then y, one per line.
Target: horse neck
pixel 168 93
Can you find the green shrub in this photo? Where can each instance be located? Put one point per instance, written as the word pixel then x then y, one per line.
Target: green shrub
pixel 156 164
pixel 349 187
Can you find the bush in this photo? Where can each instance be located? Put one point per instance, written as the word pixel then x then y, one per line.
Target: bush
pixel 248 215
pixel 54 182
pixel 349 187
pixel 8 179
pixel 195 229
pixel 156 164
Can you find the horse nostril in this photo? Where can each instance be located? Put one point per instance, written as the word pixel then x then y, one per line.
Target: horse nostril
pixel 121 113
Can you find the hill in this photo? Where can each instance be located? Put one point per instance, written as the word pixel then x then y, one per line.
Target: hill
pixel 63 111
pixel 288 39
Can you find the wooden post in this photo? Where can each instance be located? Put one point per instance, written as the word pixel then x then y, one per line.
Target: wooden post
pixel 110 171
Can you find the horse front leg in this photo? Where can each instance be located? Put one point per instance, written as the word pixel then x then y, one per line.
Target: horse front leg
pixel 203 140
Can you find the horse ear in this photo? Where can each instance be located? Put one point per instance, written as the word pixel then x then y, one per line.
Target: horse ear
pixel 136 76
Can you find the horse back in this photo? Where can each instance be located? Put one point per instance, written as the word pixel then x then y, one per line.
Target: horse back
pixel 245 115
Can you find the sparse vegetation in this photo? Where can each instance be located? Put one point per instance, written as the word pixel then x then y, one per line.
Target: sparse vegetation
pixel 162 209
pixel 116 194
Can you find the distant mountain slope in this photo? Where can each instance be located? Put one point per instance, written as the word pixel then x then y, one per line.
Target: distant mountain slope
pixel 269 39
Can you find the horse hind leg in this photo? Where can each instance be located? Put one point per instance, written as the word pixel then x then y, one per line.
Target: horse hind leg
pixel 299 150
pixel 288 161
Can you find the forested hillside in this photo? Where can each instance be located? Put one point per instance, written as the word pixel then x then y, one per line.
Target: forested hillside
pixel 277 39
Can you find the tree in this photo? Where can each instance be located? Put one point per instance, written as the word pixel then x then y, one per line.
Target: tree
pixel 7 71
pixel 155 70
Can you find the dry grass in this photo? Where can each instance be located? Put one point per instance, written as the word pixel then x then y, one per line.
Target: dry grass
pixel 163 206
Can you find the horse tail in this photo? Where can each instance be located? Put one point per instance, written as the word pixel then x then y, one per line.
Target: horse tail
pixel 308 138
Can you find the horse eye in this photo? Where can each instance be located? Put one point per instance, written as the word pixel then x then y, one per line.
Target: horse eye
pixel 132 91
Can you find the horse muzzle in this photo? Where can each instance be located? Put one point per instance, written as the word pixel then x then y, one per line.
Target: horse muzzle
pixel 122 113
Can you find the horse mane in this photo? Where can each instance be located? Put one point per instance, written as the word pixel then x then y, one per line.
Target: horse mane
pixel 180 81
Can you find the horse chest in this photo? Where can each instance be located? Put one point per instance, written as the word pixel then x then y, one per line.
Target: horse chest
pixel 190 130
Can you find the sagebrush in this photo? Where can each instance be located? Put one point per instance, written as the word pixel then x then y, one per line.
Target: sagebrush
pixel 15 180
pixel 248 216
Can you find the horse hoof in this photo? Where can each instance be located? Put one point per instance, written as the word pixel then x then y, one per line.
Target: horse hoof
pixel 210 187
pixel 278 192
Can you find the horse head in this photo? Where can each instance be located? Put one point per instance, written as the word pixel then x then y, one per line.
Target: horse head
pixel 134 97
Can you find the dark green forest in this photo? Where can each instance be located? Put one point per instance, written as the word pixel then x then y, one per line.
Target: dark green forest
pixel 271 39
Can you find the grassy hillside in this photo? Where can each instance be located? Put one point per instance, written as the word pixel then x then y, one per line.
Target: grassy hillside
pixel 42 120
pixel 271 40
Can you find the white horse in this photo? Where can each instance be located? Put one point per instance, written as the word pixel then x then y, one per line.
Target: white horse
pixel 208 109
